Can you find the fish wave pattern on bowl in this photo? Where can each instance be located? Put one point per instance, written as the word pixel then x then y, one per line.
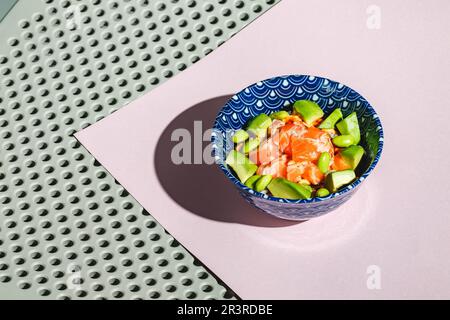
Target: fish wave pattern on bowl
pixel 276 94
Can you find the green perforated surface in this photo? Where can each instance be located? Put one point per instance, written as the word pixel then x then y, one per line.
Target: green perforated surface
pixel 67 229
pixel 5 7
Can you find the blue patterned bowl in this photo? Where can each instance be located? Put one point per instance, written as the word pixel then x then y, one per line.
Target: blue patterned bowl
pixel 276 94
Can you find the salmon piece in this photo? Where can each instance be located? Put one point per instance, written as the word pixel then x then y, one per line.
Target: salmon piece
pixel 314 133
pixel 310 145
pixel 275 127
pixel 339 163
pixel 276 168
pixel 286 133
pixel 331 132
pixel 305 170
pixel 293 118
pixel 284 141
pixel 266 152
pixel 304 150
pixel 313 174
pixel 317 122
pixel 295 170
pixel 277 144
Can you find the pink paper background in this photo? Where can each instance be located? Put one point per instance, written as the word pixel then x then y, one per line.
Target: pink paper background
pixel 399 220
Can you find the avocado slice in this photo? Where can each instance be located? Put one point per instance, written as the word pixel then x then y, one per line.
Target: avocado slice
pixel 259 124
pixel 283 188
pixel 242 165
pixel 308 110
pixel 239 136
pixel 335 180
pixel 353 155
pixel 250 145
pixel 332 119
pixel 350 126
pixel 280 115
pixel 251 181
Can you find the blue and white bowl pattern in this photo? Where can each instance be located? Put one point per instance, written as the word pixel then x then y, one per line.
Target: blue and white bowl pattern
pixel 275 94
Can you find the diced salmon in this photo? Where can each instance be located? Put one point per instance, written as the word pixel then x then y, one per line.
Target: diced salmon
pixel 304 149
pixel 313 174
pixel 339 163
pixel 276 168
pixel 292 151
pixel 305 170
pixel 268 150
pixel 293 118
pixel 314 133
pixel 283 139
pixel 286 133
pixel 275 126
pixel 278 143
pixel 317 122
pixel 295 170
pixel 310 145
pixel 331 132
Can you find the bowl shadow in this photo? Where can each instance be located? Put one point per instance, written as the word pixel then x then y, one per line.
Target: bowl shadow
pixel 199 187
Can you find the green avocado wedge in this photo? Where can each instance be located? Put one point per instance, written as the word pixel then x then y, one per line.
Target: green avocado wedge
pixel 308 110
pixel 242 165
pixel 350 126
pixel 259 125
pixel 332 119
pixel 283 188
pixel 250 145
pixel 353 155
pixel 239 136
pixel 279 115
pixel 335 180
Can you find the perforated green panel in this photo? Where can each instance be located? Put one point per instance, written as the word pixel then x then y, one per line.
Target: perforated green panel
pixel 67 229
pixel 5 7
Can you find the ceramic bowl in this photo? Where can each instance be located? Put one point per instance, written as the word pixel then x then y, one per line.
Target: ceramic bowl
pixel 279 93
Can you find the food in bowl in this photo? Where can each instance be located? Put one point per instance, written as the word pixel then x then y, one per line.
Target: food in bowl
pixel 278 94
pixel 297 153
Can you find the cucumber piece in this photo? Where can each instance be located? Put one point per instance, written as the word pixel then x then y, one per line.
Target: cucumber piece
pixel 332 119
pixel 308 110
pixel 283 188
pixel 350 126
pixel 335 180
pixel 241 165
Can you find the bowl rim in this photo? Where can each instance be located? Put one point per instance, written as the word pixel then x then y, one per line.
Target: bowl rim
pixel 264 196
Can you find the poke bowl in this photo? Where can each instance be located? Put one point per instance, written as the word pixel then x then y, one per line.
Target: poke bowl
pixel 324 139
